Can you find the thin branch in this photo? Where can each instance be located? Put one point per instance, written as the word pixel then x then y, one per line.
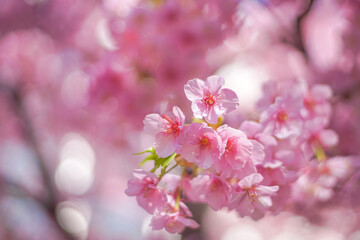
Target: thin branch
pixel 294 37
pixel 17 189
pixel 51 199
pixel 299 40
pixel 167 171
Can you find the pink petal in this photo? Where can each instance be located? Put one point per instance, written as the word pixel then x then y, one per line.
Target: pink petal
pixel 194 189
pixel 154 123
pixel 257 213
pixel 189 151
pixel 171 182
pixel 291 127
pixel 135 188
pixel 250 180
pixel 250 128
pixel 244 208
pixel 236 199
pixel 184 210
pixel 188 222
pixel 265 201
pixel 206 160
pixel 340 167
pixel 194 89
pixel 198 109
pixel 266 140
pixel 267 190
pixel 217 194
pixel 247 169
pixel 164 144
pixel 328 138
pixel 179 115
pixel 229 100
pixel 214 83
pixel 258 154
pixel 155 199
pixel 159 221
pixel 212 116
pixel 141 174
pixel 226 132
pixel 175 227
pixel 321 92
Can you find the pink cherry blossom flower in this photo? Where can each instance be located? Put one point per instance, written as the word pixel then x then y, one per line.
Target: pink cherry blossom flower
pixel 282 119
pixel 253 130
pixel 209 188
pixel 274 88
pixel 320 180
pixel 172 222
pixel 200 144
pixel 209 99
pixel 166 131
pixel 173 218
pixel 251 198
pixel 316 101
pixel 315 134
pixel 170 182
pixel 148 195
pixel 240 155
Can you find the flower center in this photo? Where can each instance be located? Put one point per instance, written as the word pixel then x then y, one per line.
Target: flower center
pixel 215 186
pixel 173 126
pixel 251 191
pixel 309 103
pixel 252 195
pixel 229 144
pixel 325 170
pixel 173 129
pixel 282 117
pixel 209 100
pixel 204 142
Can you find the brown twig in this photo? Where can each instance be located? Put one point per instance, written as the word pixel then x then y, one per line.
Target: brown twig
pixel 14 94
pixel 299 41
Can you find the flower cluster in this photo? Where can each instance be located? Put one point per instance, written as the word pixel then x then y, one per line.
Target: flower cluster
pixel 176 34
pixel 223 161
pixel 260 167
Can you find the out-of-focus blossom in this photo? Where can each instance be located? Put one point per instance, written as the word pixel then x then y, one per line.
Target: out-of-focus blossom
pixel 251 198
pixel 209 188
pixel 174 218
pixel 283 117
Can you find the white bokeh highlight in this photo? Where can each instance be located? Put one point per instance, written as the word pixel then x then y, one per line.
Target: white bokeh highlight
pixel 74 218
pixel 75 172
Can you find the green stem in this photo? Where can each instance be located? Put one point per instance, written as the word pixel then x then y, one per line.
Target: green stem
pixel 165 172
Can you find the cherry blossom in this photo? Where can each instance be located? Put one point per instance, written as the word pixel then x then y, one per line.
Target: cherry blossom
pixel 209 188
pixel 283 117
pixel 209 99
pixel 144 187
pixel 240 154
pixel 174 218
pixel 166 131
pixel 200 144
pixel 252 198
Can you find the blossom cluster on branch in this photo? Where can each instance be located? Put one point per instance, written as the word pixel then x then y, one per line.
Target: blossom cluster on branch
pixel 259 168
